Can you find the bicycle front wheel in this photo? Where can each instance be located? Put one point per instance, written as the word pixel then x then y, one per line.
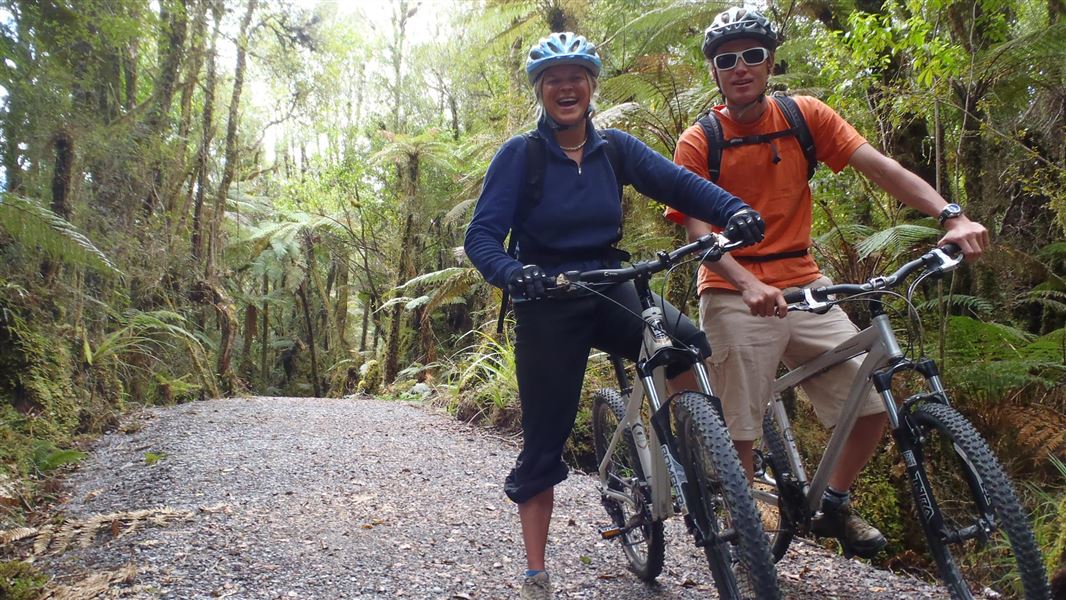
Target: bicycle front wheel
pixel 720 503
pixel 643 540
pixel 985 548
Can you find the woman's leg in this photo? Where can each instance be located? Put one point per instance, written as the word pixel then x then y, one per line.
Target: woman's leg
pixel 551 350
pixel 536 515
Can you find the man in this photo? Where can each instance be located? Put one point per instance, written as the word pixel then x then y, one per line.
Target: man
pixel 771 172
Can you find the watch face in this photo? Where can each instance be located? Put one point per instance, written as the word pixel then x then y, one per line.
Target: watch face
pixel 950 211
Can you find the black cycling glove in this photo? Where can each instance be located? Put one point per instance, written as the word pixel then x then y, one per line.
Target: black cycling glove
pixel 529 283
pixel 746 225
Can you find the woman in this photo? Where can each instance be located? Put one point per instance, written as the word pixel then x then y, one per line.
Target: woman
pixel 573 225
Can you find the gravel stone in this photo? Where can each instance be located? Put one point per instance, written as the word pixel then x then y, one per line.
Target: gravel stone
pixel 364 498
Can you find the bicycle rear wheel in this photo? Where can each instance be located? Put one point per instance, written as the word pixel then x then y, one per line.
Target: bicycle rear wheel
pixel 772 472
pixel 986 549
pixel 721 504
pixel 644 543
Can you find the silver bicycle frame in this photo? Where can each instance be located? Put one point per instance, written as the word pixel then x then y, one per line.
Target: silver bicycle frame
pixel 650 449
pixel 878 342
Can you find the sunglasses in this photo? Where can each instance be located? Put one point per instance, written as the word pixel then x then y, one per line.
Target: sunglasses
pixel 751 57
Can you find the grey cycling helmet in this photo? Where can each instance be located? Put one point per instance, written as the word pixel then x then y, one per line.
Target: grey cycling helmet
pixel 739 23
pixel 562 49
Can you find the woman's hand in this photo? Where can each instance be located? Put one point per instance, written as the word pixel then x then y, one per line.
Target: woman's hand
pixel 746 225
pixel 529 282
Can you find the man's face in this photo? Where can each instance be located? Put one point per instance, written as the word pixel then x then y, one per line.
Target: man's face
pixel 743 83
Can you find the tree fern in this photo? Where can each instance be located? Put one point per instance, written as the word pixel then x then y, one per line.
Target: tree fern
pixel 38 229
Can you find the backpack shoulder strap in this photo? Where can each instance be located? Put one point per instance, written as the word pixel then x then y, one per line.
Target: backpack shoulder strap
pixel 712 130
pixel 798 124
pixel 613 149
pixel 533 186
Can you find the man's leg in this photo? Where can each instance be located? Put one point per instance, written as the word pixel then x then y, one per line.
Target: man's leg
pixel 536 515
pixel 812 335
pixel 859 448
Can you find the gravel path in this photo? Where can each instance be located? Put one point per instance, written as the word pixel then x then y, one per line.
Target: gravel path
pixel 317 498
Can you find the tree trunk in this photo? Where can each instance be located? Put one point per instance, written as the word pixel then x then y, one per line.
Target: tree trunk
pixel 316 383
pixel 207 133
pixel 251 321
pixel 340 305
pixel 264 335
pixel 178 172
pixel 63 174
pixel 171 50
pixel 392 351
pixel 231 153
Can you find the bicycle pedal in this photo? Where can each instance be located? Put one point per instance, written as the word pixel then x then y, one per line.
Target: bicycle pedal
pixel 609 533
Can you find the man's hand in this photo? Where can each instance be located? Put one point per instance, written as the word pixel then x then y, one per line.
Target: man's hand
pixel 746 225
pixel 529 283
pixel 971 237
pixel 764 300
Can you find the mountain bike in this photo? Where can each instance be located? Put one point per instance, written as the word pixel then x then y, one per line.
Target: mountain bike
pixel 650 471
pixel 975 527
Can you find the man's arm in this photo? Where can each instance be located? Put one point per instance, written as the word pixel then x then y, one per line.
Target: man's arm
pixel 913 191
pixel 763 300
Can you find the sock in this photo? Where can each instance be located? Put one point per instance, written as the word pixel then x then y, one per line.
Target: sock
pixel 532 572
pixel 833 499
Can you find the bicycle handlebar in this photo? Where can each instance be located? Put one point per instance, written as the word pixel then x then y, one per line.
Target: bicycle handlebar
pixel 714 246
pixel 938 260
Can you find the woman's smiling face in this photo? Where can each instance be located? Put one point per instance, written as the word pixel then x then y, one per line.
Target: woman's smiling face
pixel 566 91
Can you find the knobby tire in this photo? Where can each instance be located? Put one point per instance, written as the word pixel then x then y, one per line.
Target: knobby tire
pixel 959 463
pixel 721 500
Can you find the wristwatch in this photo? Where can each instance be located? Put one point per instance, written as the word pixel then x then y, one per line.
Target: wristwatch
pixel 950 212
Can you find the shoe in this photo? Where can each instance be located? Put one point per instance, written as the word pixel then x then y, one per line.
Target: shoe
pixel 537 587
pixel 856 535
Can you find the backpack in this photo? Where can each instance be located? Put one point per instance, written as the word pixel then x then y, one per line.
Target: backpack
pixel 533 190
pixel 797 127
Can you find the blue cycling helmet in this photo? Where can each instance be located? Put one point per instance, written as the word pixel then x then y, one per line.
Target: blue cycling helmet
pixel 738 23
pixel 564 48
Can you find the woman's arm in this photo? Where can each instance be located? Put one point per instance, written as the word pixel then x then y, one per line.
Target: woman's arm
pixel 494 214
pixel 655 176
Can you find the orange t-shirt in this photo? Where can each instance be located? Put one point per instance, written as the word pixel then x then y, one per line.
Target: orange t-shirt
pixel 778 191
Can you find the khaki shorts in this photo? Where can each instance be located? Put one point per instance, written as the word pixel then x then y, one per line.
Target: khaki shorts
pixel 747 349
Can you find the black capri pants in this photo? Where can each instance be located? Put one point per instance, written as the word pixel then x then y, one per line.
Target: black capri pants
pixel 552 344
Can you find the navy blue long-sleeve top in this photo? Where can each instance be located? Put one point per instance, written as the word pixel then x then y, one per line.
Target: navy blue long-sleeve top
pixel 579 207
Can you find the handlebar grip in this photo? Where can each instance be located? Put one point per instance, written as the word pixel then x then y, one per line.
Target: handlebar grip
pixel 951 249
pixel 795 297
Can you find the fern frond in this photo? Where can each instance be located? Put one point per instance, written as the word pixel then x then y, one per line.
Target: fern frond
pixel 459 210
pixel 38 229
pixel 896 240
pixel 974 304
pixel 1053 300
pixel 431 278
pixel 417 302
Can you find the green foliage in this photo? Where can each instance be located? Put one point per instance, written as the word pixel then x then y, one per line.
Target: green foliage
pixel 39 230
pixel 20 581
pixel 488 373
pixel 151 458
pixel 46 457
pixel 371 377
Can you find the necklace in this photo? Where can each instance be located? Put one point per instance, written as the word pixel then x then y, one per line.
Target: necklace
pixel 574 148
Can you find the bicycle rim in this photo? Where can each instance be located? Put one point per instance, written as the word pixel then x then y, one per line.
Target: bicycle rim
pixel 974 494
pixel 644 545
pixel 721 503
